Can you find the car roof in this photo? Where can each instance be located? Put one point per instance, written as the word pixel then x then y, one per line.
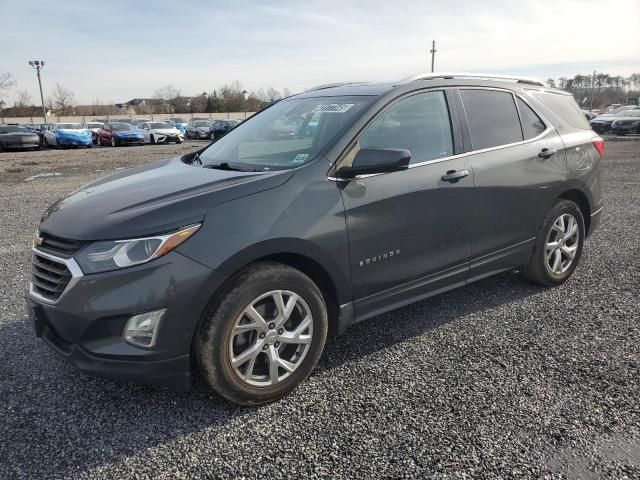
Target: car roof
pixel 424 81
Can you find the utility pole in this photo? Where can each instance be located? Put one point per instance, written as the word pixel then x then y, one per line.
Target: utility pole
pixel 38 64
pixel 433 54
pixel 593 84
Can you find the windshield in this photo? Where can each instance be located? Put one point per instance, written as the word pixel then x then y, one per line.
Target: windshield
pixel 121 127
pixel 178 120
pixel 287 134
pixel 202 123
pixel 630 113
pixel 13 129
pixel 94 125
pixel 70 126
pixel 159 125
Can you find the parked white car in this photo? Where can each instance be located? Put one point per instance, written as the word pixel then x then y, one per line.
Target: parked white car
pixel 67 135
pixel 160 132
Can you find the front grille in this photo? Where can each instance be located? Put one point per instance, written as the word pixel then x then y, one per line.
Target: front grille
pixel 59 246
pixel 49 278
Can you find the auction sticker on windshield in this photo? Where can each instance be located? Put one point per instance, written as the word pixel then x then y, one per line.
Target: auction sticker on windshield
pixel 333 107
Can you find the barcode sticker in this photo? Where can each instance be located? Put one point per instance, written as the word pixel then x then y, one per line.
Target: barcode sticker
pixel 332 107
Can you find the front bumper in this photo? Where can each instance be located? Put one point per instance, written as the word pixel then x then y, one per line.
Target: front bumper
pixel 130 140
pixel 22 144
pixel 85 325
pixel 168 138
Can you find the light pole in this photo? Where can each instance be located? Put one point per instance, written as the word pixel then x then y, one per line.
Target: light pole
pixel 2 104
pixel 38 64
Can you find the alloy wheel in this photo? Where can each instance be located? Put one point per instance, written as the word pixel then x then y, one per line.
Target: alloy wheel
pixel 271 338
pixel 561 244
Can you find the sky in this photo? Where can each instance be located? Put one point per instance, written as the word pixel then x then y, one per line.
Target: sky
pixel 115 50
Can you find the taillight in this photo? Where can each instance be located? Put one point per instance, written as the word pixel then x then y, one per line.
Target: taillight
pixel 598 143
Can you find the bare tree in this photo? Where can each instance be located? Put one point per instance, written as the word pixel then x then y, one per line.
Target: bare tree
pixel 167 93
pixel 7 81
pixel 63 99
pixel 23 99
pixel 273 94
pixel 22 102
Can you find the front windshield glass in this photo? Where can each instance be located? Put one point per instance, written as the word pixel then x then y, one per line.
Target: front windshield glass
pixel 94 125
pixel 70 126
pixel 159 125
pixel 121 127
pixel 179 120
pixel 286 135
pixel 631 113
pixel 202 123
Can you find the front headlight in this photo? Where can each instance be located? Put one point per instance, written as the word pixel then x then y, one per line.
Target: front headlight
pixel 114 254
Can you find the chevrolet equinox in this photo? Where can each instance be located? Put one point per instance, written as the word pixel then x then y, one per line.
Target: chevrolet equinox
pixel 325 209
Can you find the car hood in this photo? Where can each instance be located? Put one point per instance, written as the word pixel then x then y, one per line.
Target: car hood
pixel 18 134
pixel 633 119
pixel 150 199
pixel 127 132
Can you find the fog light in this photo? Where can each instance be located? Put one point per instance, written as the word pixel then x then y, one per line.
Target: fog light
pixel 141 329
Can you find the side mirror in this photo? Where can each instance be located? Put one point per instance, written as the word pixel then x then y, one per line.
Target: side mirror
pixel 376 160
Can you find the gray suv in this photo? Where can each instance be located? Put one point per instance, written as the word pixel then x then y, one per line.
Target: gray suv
pixel 238 260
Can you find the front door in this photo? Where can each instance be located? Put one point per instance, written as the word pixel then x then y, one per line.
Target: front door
pixel 408 231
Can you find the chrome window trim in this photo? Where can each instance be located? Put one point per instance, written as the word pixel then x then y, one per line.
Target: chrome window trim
pixel 72 266
pixel 546 132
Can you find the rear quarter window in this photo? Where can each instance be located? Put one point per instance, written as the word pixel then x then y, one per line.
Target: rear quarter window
pixel 564 106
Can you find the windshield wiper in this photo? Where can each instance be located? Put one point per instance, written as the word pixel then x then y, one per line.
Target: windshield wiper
pixel 226 166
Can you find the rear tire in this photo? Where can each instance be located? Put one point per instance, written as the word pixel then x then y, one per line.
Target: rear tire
pixel 251 360
pixel 558 246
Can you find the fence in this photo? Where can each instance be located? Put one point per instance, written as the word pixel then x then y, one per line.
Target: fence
pixel 154 117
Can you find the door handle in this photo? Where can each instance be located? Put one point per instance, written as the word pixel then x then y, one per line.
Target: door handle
pixel 547 152
pixel 453 176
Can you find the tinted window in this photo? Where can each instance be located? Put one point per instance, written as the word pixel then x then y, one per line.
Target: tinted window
pixel 493 118
pixel 532 126
pixel 419 123
pixel 565 107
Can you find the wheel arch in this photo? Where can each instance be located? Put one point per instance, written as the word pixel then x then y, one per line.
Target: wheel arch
pixel 580 198
pixel 324 271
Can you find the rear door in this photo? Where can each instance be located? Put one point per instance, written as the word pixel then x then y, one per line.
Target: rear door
pixel 408 230
pixel 519 166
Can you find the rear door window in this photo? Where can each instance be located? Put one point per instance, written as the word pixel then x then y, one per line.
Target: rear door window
pixel 532 125
pixel 419 123
pixel 493 118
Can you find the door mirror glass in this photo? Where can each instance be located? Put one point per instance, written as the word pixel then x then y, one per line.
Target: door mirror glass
pixel 369 161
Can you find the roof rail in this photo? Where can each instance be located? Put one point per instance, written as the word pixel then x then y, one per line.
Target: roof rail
pixel 332 85
pixel 482 76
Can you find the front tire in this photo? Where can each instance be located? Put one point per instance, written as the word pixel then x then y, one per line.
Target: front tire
pixel 152 140
pixel 263 336
pixel 558 246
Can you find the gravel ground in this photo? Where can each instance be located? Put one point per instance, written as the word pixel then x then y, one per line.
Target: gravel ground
pixel 499 379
